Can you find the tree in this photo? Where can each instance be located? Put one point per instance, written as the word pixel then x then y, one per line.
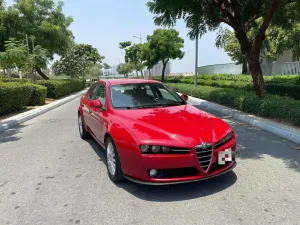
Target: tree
pixel 147 57
pixel 124 45
pixel 106 66
pixel 133 55
pixel 14 56
pixel 165 44
pixel 77 60
pixel 241 16
pixel 278 39
pixel 94 70
pixel 43 19
pixel 17 55
pixel 125 69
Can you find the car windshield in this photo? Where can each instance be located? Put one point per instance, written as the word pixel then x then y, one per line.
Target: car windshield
pixel 143 95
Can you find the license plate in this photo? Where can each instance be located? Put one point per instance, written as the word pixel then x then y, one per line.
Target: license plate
pixel 225 156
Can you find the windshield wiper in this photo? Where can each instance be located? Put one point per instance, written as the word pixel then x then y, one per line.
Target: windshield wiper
pixel 126 107
pixel 150 106
pixel 174 104
pixel 159 105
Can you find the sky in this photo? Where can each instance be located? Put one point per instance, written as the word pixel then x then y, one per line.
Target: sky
pixel 105 23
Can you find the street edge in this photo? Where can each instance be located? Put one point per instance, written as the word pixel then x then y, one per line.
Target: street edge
pixel 279 129
pixel 22 117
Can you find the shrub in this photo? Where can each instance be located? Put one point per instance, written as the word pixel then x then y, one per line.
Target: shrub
pixel 284 89
pixel 13 97
pixel 38 94
pixel 292 79
pixel 60 88
pixel 272 106
pixel 5 79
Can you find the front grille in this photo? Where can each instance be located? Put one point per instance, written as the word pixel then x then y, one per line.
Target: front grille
pixel 204 156
pixel 179 151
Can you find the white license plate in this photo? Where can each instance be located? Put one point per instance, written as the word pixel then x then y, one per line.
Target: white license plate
pixel 225 156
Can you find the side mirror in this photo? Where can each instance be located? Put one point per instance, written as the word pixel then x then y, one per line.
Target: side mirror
pixel 96 104
pixel 184 97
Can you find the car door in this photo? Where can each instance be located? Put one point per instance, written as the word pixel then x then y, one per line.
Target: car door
pixel 86 104
pixel 98 118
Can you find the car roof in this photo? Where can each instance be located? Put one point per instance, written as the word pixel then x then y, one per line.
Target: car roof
pixel 129 81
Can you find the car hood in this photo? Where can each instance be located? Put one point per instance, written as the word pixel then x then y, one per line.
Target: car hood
pixel 183 125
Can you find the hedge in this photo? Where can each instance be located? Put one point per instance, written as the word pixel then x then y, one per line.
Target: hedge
pixel 38 94
pixel 283 89
pixel 15 96
pixel 60 88
pixel 272 106
pixel 292 79
pixel 13 80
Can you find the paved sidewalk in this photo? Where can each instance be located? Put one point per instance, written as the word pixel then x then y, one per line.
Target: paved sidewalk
pixel 22 117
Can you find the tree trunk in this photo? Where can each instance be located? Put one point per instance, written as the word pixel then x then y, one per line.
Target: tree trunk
pixel 137 74
pixel 149 74
pixel 40 72
pixel 142 74
pixel 245 69
pixel 257 77
pixel 163 72
pixel 20 73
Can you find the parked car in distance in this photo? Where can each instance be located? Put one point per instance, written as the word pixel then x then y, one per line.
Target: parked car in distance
pixel 151 135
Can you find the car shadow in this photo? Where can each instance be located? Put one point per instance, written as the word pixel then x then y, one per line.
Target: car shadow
pixel 171 193
pixel 11 134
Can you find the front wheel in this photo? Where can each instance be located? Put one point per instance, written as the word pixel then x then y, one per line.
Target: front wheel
pixel 82 131
pixel 113 161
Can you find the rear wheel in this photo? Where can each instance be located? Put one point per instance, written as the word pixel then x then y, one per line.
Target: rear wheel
pixel 82 131
pixel 113 161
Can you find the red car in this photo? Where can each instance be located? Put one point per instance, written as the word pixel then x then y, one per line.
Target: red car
pixel 151 135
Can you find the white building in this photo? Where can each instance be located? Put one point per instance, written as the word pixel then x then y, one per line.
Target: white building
pixel 157 70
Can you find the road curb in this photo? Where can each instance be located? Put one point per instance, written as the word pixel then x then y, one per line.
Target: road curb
pixel 22 117
pixel 287 132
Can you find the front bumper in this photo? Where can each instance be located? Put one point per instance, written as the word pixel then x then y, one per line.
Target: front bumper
pixel 174 169
pixel 158 182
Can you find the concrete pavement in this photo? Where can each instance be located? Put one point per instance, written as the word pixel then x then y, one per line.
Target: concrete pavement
pixel 50 176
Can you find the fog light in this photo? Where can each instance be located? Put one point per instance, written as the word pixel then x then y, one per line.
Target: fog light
pixel 155 149
pixel 153 173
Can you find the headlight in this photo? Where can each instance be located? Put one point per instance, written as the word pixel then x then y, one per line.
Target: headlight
pixel 156 149
pixel 144 148
pixel 224 140
pixel 166 149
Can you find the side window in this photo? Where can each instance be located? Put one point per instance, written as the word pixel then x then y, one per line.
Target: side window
pixel 100 93
pixel 92 92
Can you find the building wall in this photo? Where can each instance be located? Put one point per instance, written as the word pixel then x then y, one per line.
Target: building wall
pixel 157 70
pixel 229 68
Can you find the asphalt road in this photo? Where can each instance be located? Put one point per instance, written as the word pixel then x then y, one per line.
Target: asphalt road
pixel 48 175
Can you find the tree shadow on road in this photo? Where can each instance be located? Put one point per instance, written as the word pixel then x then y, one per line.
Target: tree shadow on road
pixel 254 143
pixel 171 193
pixel 11 134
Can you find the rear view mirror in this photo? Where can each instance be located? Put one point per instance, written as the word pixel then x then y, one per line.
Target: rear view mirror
pixel 184 97
pixel 96 104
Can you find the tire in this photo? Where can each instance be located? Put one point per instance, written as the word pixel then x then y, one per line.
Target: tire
pixel 82 131
pixel 113 161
